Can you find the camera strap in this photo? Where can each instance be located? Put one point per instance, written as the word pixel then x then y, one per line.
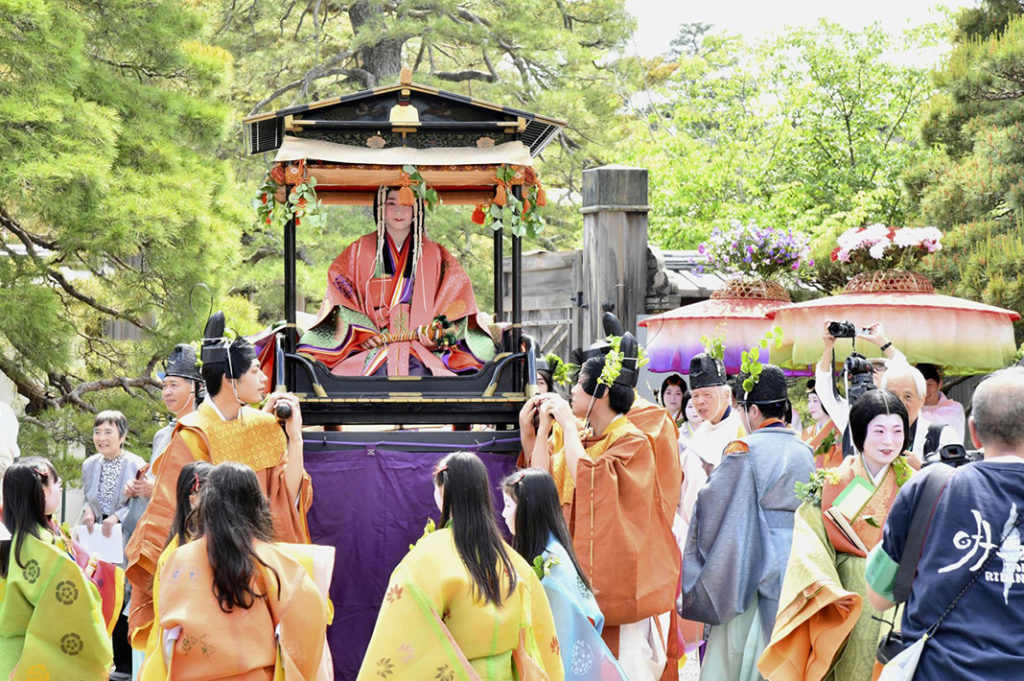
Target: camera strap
pixel 935 482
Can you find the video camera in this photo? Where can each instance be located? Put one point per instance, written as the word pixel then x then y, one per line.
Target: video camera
pixel 860 376
pixel 954 455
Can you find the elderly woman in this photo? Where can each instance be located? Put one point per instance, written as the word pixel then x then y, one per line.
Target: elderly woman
pixel 105 473
pixel 104 476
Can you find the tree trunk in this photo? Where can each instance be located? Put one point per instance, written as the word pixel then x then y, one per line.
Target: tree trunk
pixel 384 58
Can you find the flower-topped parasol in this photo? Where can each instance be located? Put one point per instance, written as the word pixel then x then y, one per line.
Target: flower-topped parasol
pixel 962 335
pixel 738 311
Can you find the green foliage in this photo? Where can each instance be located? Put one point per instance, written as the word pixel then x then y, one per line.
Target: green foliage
pixel 972 187
pixel 715 347
pixel 809 131
pixel 117 205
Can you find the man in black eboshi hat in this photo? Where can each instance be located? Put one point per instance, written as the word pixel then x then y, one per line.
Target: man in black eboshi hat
pixel 748 503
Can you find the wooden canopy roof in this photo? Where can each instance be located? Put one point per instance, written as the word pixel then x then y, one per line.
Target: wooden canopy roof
pixel 406 115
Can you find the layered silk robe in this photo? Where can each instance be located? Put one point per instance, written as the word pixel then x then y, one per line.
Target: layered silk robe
pixel 284 631
pixel 432 625
pixel 51 617
pixel 824 630
pixel 396 303
pixel 255 439
pixel 619 527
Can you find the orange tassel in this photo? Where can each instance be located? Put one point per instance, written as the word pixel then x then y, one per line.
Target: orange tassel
pixel 499 195
pixel 478 215
pixel 405 196
pixel 526 206
pixel 542 196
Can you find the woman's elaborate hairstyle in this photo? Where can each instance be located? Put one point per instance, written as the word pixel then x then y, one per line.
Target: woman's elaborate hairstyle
pixel 538 515
pixel 671 379
pixel 24 504
pixel 418 229
pixel 114 418
pixel 620 397
pixel 191 479
pixel 233 513
pixel 466 502
pixel 875 403
pixel 241 355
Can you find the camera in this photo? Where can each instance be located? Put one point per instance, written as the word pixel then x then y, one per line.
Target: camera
pixel 844 330
pixel 953 455
pixel 860 375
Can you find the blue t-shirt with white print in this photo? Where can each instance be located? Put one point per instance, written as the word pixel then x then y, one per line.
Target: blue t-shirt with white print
pixel 982 638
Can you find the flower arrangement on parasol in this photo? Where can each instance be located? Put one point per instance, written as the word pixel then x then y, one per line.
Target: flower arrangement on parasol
pixel 877 247
pixel 756 252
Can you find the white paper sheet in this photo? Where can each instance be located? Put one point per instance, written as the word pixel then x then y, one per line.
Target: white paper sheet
pixel 110 549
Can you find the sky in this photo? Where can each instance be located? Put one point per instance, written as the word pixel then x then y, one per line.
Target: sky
pixel 658 21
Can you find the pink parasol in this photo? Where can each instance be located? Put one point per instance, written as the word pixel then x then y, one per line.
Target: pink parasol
pixel 739 311
pixel 961 335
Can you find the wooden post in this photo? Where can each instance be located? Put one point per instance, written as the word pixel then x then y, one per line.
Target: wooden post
pixel 614 245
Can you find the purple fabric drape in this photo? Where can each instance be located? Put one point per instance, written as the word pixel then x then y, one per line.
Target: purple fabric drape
pixel 371 503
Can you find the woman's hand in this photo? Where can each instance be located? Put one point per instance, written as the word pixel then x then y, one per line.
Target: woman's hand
pixel 89 518
pixel 526 415
pixel 426 342
pixel 108 524
pixel 560 411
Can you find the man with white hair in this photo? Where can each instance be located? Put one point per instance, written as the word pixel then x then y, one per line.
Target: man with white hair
pixel 907 383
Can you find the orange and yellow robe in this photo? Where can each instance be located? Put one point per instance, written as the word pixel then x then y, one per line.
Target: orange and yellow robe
pixel 826 443
pixel 823 629
pixel 253 438
pixel 280 638
pixel 433 625
pixel 619 530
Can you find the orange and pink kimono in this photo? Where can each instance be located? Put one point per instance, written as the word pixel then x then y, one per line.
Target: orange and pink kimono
pixel 364 300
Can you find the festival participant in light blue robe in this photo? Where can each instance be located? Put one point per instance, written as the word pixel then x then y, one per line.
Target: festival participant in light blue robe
pixel 739 540
pixel 534 516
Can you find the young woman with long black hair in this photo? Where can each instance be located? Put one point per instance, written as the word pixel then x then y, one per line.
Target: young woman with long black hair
pixel 462 604
pixel 232 604
pixel 534 517
pixel 51 615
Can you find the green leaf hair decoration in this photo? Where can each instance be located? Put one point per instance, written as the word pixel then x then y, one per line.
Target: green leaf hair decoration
pixel 561 371
pixel 714 345
pixel 613 361
pixel 750 360
pixel 419 186
pixel 543 567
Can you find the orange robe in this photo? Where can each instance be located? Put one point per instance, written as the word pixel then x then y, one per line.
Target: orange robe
pixel 255 439
pixel 286 629
pixel 827 445
pixel 620 534
pixel 440 287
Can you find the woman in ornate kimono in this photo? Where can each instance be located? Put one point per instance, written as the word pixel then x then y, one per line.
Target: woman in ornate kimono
pixel 51 615
pixel 533 514
pixel 398 303
pixel 232 604
pixel 823 630
pixel 462 604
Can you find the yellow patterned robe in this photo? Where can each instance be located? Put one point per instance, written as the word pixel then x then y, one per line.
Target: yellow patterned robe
pixel 432 626
pixel 51 618
pixel 255 439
